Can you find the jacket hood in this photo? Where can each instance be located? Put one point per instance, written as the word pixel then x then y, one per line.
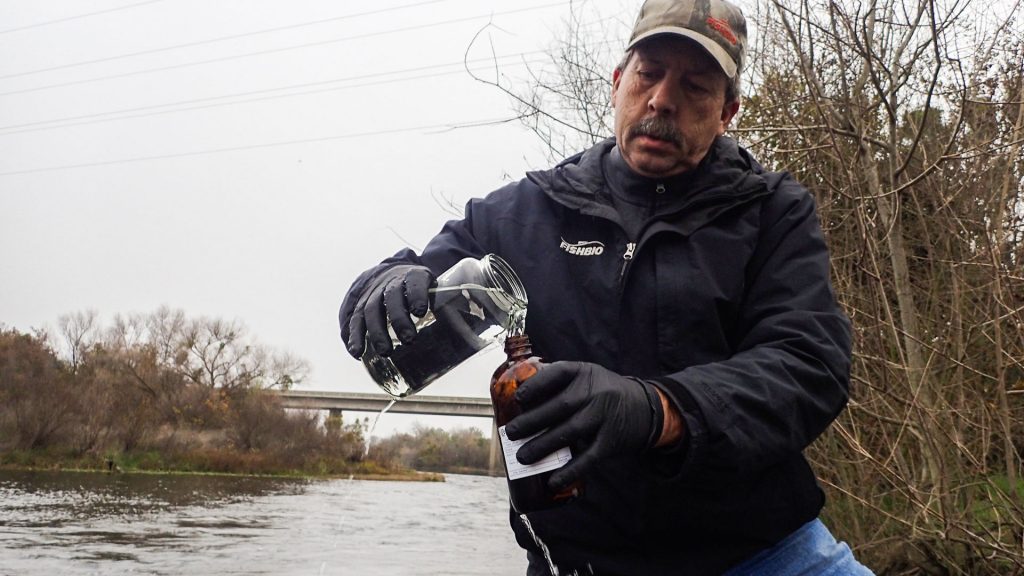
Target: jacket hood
pixel 727 177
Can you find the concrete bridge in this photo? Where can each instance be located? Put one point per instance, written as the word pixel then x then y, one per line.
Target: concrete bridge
pixel 368 402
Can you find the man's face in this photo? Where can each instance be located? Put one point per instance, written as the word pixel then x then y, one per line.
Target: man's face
pixel 669 106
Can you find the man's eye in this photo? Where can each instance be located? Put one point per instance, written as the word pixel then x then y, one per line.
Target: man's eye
pixel 694 86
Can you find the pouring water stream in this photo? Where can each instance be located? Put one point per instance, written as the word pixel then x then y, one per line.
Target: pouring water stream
pixel 515 325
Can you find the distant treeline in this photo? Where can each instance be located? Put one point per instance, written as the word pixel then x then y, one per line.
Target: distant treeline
pixel 463 450
pixel 168 392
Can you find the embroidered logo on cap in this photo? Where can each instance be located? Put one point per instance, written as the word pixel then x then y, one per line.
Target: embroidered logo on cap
pixel 722 27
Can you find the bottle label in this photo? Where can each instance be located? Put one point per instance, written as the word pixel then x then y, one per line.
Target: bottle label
pixel 517 469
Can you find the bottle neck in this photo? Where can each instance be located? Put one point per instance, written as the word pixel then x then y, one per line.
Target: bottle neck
pixel 518 347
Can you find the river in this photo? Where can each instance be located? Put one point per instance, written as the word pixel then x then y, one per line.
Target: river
pixel 67 523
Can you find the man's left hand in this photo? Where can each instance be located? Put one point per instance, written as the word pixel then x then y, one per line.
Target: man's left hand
pixel 597 412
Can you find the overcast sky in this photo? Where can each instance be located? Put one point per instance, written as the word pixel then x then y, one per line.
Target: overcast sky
pixel 246 159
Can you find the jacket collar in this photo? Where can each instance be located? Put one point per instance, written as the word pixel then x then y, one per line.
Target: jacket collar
pixel 727 177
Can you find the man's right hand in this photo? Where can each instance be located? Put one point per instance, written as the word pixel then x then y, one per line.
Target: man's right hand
pixel 392 296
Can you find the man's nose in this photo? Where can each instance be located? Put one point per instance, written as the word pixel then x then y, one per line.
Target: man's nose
pixel 662 100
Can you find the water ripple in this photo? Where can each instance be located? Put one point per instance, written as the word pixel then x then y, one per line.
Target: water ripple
pixel 78 524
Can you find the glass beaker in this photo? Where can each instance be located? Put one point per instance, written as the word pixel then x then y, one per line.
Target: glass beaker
pixel 474 302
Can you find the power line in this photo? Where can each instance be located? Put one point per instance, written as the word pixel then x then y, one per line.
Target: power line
pixel 434 128
pixel 125 113
pixel 244 101
pixel 284 49
pixel 107 11
pixel 220 39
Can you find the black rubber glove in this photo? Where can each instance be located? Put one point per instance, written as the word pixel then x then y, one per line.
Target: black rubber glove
pixel 391 296
pixel 595 411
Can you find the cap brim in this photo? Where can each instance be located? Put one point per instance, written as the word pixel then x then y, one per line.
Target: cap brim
pixel 725 62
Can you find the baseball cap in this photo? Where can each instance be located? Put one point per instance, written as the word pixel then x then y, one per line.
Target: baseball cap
pixel 718 26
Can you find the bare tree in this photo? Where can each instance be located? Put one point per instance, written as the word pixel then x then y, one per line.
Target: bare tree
pixel 219 354
pixel 565 97
pixel 79 331
pixel 903 118
pixel 211 353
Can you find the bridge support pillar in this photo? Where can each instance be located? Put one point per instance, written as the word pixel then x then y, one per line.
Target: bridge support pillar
pixel 333 421
pixel 493 462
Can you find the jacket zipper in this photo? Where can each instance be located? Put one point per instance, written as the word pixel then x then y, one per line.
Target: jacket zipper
pixel 627 257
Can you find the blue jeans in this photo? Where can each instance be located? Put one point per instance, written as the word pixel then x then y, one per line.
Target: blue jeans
pixel 810 551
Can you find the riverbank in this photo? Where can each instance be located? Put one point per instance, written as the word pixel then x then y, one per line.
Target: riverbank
pixel 207 462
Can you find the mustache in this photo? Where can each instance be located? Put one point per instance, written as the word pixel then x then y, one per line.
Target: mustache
pixel 656 127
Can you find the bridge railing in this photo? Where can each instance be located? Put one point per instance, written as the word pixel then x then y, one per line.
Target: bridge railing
pixel 368 402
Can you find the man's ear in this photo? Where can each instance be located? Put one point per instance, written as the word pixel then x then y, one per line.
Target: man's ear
pixel 729 110
pixel 616 78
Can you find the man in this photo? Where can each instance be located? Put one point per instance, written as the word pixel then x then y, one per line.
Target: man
pixel 692 357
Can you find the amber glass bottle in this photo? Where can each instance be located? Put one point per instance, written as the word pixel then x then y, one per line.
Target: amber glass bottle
pixel 527 485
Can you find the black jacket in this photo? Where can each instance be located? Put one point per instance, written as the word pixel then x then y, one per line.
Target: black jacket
pixel 724 303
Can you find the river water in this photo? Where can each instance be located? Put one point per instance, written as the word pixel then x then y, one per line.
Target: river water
pixel 66 523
